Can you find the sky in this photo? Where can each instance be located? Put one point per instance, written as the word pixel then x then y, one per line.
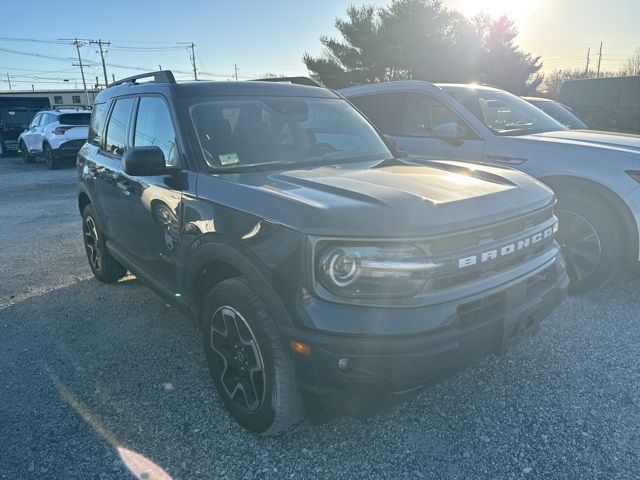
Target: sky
pixel 265 36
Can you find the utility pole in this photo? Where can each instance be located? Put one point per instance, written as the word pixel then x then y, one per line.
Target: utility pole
pixel 586 70
pixel 193 61
pixel 235 66
pixel 9 80
pixel 100 43
pixel 79 44
pixel 599 59
pixel 113 76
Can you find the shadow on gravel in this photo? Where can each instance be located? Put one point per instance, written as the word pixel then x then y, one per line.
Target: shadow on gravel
pixel 91 371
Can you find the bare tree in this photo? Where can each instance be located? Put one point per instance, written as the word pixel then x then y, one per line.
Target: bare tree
pixel 631 65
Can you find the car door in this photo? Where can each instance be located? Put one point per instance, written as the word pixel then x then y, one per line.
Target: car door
pixel 28 136
pixel 105 166
pixel 411 117
pixel 149 212
pixel 422 115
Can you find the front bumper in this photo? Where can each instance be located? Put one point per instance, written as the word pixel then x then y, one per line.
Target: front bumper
pixel 476 326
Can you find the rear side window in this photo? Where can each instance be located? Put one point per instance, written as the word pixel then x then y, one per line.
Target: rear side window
pixel 154 127
pixel 383 109
pixel 116 138
pixel 96 123
pixel 74 118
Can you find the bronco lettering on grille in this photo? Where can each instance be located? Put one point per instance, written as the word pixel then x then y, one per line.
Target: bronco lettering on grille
pixel 508 249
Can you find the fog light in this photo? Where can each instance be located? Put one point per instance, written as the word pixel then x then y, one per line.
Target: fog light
pixel 343 363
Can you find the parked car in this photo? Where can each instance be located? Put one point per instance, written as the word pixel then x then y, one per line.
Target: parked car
pixel 595 175
pixel 56 134
pixel 558 111
pixel 15 115
pixel 611 103
pixel 315 258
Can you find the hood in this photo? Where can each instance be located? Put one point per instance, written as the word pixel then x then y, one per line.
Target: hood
pixel 416 197
pixel 620 141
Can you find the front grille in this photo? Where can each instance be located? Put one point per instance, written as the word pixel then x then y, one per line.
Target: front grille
pixel 448 251
pixel 493 232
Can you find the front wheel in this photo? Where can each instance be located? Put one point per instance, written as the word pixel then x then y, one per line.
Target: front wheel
pixel 26 156
pixel 248 360
pixel 591 242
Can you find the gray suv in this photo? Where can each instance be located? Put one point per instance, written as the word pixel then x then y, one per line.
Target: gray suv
pixel 316 259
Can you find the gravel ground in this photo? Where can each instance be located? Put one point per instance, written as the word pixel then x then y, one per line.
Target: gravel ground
pixel 109 382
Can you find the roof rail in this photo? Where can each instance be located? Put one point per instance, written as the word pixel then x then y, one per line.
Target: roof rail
pixel 295 80
pixel 76 107
pixel 161 76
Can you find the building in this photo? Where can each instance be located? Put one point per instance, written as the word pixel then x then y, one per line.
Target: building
pixel 57 97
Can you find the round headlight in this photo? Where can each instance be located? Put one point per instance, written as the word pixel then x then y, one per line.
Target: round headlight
pixel 342 268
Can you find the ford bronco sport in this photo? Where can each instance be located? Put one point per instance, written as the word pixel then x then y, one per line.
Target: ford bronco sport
pixel 314 256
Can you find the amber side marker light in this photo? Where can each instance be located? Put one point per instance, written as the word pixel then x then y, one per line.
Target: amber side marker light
pixel 300 348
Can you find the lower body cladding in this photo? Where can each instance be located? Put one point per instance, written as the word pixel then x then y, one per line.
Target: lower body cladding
pixel 490 322
pixel 68 149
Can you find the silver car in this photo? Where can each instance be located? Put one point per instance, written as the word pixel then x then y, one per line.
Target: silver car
pixel 595 175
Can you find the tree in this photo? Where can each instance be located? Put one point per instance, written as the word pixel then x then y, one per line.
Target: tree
pixel 631 65
pixel 502 63
pixel 423 40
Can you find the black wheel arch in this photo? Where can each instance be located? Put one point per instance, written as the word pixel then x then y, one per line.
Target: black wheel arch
pixel 623 215
pixel 216 259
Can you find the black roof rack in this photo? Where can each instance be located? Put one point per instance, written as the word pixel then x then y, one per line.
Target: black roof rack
pixel 161 76
pixel 296 80
pixel 71 107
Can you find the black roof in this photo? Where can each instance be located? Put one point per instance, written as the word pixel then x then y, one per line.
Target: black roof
pixel 212 89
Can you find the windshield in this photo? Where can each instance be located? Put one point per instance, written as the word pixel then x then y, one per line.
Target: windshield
pixel 17 117
pixel 266 132
pixel 560 113
pixel 504 113
pixel 75 118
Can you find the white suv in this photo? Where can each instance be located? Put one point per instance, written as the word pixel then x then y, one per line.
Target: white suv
pixel 56 134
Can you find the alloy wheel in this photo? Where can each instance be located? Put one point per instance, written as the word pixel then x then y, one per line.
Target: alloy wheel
pixel 242 372
pixel 580 243
pixel 91 242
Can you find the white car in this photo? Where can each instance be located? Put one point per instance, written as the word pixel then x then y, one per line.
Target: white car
pixel 595 175
pixel 56 134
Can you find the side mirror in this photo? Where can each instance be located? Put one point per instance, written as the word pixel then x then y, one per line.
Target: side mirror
pixel 144 161
pixel 448 131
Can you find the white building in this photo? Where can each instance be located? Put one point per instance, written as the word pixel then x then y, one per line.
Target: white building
pixel 57 97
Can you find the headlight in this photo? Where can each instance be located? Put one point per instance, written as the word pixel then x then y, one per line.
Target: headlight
pixel 368 271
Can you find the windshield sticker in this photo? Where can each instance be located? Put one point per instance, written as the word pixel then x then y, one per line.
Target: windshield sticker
pixel 229 158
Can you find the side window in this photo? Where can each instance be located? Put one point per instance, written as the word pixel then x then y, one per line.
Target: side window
pixel 422 112
pixel 48 118
pixel 154 127
pixel 383 109
pixel 116 138
pixel 36 120
pixel 96 123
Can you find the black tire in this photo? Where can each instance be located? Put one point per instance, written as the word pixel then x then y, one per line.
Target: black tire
pixel 50 158
pixel 586 226
pixel 105 268
pixel 269 401
pixel 26 156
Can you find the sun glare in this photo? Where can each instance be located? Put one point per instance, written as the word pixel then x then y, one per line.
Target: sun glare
pixel 496 8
